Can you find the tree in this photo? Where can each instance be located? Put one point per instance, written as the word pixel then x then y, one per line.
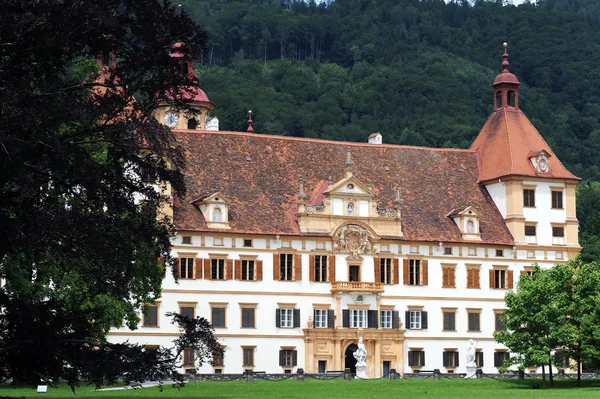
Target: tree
pixel 81 232
pixel 530 317
pixel 555 311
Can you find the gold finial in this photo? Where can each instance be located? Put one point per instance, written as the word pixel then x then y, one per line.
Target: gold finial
pixel 505 45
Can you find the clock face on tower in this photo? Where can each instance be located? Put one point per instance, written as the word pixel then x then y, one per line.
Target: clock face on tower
pixel 171 119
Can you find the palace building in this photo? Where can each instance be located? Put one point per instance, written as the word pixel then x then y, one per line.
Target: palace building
pixel 293 248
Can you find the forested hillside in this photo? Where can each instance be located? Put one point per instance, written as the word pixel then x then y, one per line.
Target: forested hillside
pixel 418 71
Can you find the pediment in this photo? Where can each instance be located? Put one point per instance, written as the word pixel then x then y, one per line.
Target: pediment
pixel 466 211
pixel 350 185
pixel 214 198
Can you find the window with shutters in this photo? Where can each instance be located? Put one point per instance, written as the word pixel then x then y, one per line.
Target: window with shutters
pixel 151 316
pixel 320 268
pixel 188 310
pixel 415 272
pixel 385 270
pixel 450 358
pixel 416 358
pixel 320 318
pixel 449 319
pixel 186 268
pixel 287 316
pixel 248 314
pixel 358 318
pixel 529 197
pixel 248 356
pixel 217 269
pixel 474 320
pixel 557 199
pixel 415 319
pixel 558 235
pixel 498 323
pixel 288 357
pixel 386 319
pixel 501 278
pixel 189 356
pixel 247 271
pixel 500 358
pixel 218 315
pixel 448 276
pixel 473 276
pixel 531 233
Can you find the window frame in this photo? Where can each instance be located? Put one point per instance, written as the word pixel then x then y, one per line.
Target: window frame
pixel 497 314
pixel 245 307
pixel 416 324
pixel 189 268
pixel 529 195
pixel 286 267
pixel 415 272
pixel 476 270
pixel 248 354
pixel 448 275
pixel 557 198
pixel 356 321
pixel 386 270
pixel 215 268
pixel 474 316
pixel 189 356
pixel 449 311
pixel 155 306
pixel 218 306
pixel 286 317
pixel 417 354
pixel 385 318
pixel 322 319
pixel 558 239
pixel 321 268
pixel 450 358
pixel 248 270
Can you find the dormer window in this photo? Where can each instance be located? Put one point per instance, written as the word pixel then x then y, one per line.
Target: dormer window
pixel 467 220
pixel 540 161
pixel 215 209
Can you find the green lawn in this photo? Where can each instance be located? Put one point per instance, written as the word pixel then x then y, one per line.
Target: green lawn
pixel 363 389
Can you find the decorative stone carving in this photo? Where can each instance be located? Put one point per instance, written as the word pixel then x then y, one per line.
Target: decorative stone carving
pixel 320 208
pixel 355 240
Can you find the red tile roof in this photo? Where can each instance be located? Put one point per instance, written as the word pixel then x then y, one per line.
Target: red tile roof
pixel 505 144
pixel 263 191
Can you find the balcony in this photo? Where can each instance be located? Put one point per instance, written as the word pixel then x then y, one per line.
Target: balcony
pixel 355 286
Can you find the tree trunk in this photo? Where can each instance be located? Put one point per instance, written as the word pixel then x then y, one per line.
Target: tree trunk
pixel 543 377
pixel 550 373
pixel 578 369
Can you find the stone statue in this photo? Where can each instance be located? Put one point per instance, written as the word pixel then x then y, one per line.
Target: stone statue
pixel 310 323
pixel 471 360
pixel 361 355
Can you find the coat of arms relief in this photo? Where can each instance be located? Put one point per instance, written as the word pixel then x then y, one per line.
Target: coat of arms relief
pixel 354 239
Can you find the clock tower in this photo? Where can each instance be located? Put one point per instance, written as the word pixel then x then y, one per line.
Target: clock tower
pixel 194 114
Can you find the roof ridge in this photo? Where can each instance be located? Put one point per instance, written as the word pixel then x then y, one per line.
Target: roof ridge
pixel 305 139
pixel 512 164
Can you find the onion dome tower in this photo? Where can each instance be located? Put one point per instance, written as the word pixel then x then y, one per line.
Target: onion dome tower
pixel 195 113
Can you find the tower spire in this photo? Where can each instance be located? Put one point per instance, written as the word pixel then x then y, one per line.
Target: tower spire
pixel 250 128
pixel 349 163
pixel 506 86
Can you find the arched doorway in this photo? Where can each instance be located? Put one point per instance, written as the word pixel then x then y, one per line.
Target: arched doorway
pixel 350 361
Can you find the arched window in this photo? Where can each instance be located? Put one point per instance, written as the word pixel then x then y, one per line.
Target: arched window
pixel 192 124
pixel 499 99
pixel 350 208
pixel 511 98
pixel 470 227
pixel 217 215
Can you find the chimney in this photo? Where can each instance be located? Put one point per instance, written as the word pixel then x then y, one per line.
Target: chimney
pixel 375 138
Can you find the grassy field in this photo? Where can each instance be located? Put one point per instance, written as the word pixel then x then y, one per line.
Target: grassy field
pixel 363 389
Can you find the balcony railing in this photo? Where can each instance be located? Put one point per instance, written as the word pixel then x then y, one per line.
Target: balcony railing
pixel 356 286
